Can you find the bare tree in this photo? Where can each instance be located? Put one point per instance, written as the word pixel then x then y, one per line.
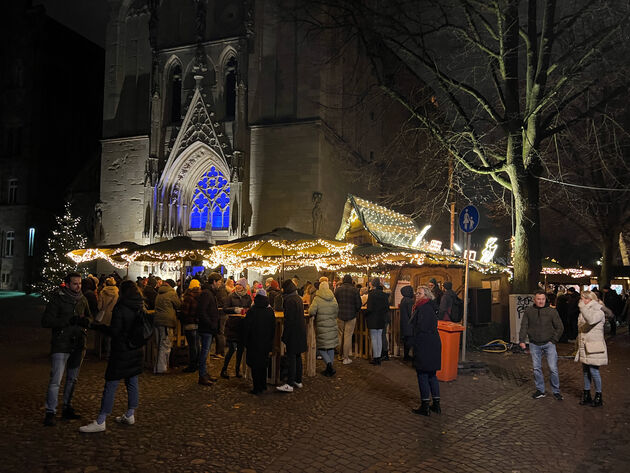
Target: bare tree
pixel 504 73
pixel 593 170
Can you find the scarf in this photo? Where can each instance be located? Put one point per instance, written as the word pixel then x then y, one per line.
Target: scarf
pixel 241 292
pixel 72 294
pixel 419 303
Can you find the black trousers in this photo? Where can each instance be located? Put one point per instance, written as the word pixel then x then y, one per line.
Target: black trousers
pixel 294 361
pixel 259 375
pixel 239 348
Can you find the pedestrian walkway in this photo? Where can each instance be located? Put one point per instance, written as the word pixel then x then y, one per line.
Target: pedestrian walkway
pixel 359 420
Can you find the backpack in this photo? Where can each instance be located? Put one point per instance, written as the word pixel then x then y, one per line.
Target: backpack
pixel 141 330
pixel 457 310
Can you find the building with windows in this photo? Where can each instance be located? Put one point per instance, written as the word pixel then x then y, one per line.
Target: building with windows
pixel 50 119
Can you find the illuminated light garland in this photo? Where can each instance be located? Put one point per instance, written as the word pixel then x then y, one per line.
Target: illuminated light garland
pixel 90 254
pixel 157 256
pixel 573 272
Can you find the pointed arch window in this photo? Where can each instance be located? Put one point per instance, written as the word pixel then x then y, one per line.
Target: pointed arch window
pixel 174 108
pixel 230 89
pixel 211 202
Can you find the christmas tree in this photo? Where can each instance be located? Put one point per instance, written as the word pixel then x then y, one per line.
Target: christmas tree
pixel 64 238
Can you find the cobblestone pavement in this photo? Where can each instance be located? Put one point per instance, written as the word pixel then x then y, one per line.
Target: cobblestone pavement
pixel 358 421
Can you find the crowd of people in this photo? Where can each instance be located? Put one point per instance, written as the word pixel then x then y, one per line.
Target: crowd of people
pixel 241 317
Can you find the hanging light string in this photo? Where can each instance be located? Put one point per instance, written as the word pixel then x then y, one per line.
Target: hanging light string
pixel 579 186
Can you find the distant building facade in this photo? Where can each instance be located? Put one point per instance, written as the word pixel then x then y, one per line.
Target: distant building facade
pixel 50 108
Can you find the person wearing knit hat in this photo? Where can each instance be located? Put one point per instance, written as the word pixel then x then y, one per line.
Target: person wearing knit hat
pixel 324 310
pixel 350 304
pixel 293 335
pixel 194 283
pixel 237 302
pixel 110 281
pixel 261 326
pixel 167 303
pixel 261 292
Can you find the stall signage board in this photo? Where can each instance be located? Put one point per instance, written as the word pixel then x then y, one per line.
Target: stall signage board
pixel 469 219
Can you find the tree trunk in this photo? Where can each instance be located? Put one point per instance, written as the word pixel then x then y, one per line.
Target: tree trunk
pixel 608 246
pixel 527 254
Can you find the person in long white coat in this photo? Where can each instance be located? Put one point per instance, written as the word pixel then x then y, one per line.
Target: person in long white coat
pixel 591 346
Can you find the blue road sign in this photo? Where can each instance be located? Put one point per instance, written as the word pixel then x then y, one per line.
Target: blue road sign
pixel 469 219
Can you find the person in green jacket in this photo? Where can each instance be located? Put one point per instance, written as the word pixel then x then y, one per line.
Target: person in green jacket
pixel 167 303
pixel 324 309
pixel 68 315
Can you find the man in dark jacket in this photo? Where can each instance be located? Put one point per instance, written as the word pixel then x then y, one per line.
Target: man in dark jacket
pixel 68 315
pixel 259 334
pixel 406 331
pixel 349 302
pixel 208 316
pixel 150 292
pixel 293 335
pixel 573 312
pixel 543 326
pixel 222 295
pixel 614 302
pixel 446 302
pixel 376 316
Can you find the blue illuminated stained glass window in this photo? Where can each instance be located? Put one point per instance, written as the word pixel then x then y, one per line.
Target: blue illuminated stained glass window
pixel 211 200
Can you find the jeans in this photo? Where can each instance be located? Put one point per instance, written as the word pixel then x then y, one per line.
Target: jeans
pixel 376 335
pixel 220 338
pixel 164 342
pixel 328 355
pixel 592 372
pixel 71 363
pixel 385 342
pixel 345 330
pixel 428 384
pixel 206 341
pixel 549 350
pixel 239 348
pixel 295 368
pixel 109 392
pixel 193 347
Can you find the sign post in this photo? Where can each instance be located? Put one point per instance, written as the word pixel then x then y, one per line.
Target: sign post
pixel 468 222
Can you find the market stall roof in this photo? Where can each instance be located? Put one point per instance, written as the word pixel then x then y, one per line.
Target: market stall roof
pixel 554 273
pixel 179 248
pixel 386 226
pixel 111 253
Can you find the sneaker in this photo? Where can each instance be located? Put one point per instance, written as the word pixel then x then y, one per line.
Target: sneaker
pixel 123 419
pixel 346 361
pixel 298 385
pixel 558 396
pixel 69 413
pixel 49 420
pixel 538 394
pixel 92 427
pixel 285 388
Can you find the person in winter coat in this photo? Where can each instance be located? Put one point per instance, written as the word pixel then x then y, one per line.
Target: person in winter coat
pixel 125 362
pixel 573 312
pixel 427 349
pixel 376 317
pixel 189 321
pixel 259 334
pixel 349 302
pixel 222 296
pixel 208 316
pixel 446 302
pixel 293 335
pixel 150 292
pixel 406 332
pixel 436 291
pixel 324 309
pixel 544 328
pixel 614 302
pixel 275 296
pixel 237 303
pixel 591 346
pixel 68 315
pixel 166 306
pixel 88 288
pixel 106 301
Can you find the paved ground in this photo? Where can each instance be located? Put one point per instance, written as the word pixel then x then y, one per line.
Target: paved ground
pixel 358 421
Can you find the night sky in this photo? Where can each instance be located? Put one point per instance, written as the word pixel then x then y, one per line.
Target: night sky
pixel 86 17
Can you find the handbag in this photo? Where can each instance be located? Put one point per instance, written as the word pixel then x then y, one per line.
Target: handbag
pixel 595 347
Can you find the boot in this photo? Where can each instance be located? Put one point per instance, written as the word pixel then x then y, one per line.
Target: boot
pixel 224 374
pixel 49 420
pixel 330 369
pixel 238 374
pixel 586 398
pixel 435 407
pixel 423 410
pixel 205 381
pixel 597 402
pixel 69 413
pixel 375 361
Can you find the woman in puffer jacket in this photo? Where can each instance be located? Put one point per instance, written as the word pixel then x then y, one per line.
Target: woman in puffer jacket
pixel 591 346
pixel 324 309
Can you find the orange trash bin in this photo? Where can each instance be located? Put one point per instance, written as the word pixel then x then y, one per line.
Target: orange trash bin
pixel 449 335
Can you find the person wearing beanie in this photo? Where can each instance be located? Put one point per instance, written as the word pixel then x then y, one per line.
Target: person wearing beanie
pixel 274 295
pixel 259 334
pixel 293 335
pixel 150 292
pixel 167 303
pixel 236 303
pixel 376 317
pixel 188 319
pixel 349 302
pixel 324 310
pixel 208 325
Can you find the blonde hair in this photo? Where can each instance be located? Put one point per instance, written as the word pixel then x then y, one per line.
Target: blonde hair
pixel 589 295
pixel 426 292
pixel 323 279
